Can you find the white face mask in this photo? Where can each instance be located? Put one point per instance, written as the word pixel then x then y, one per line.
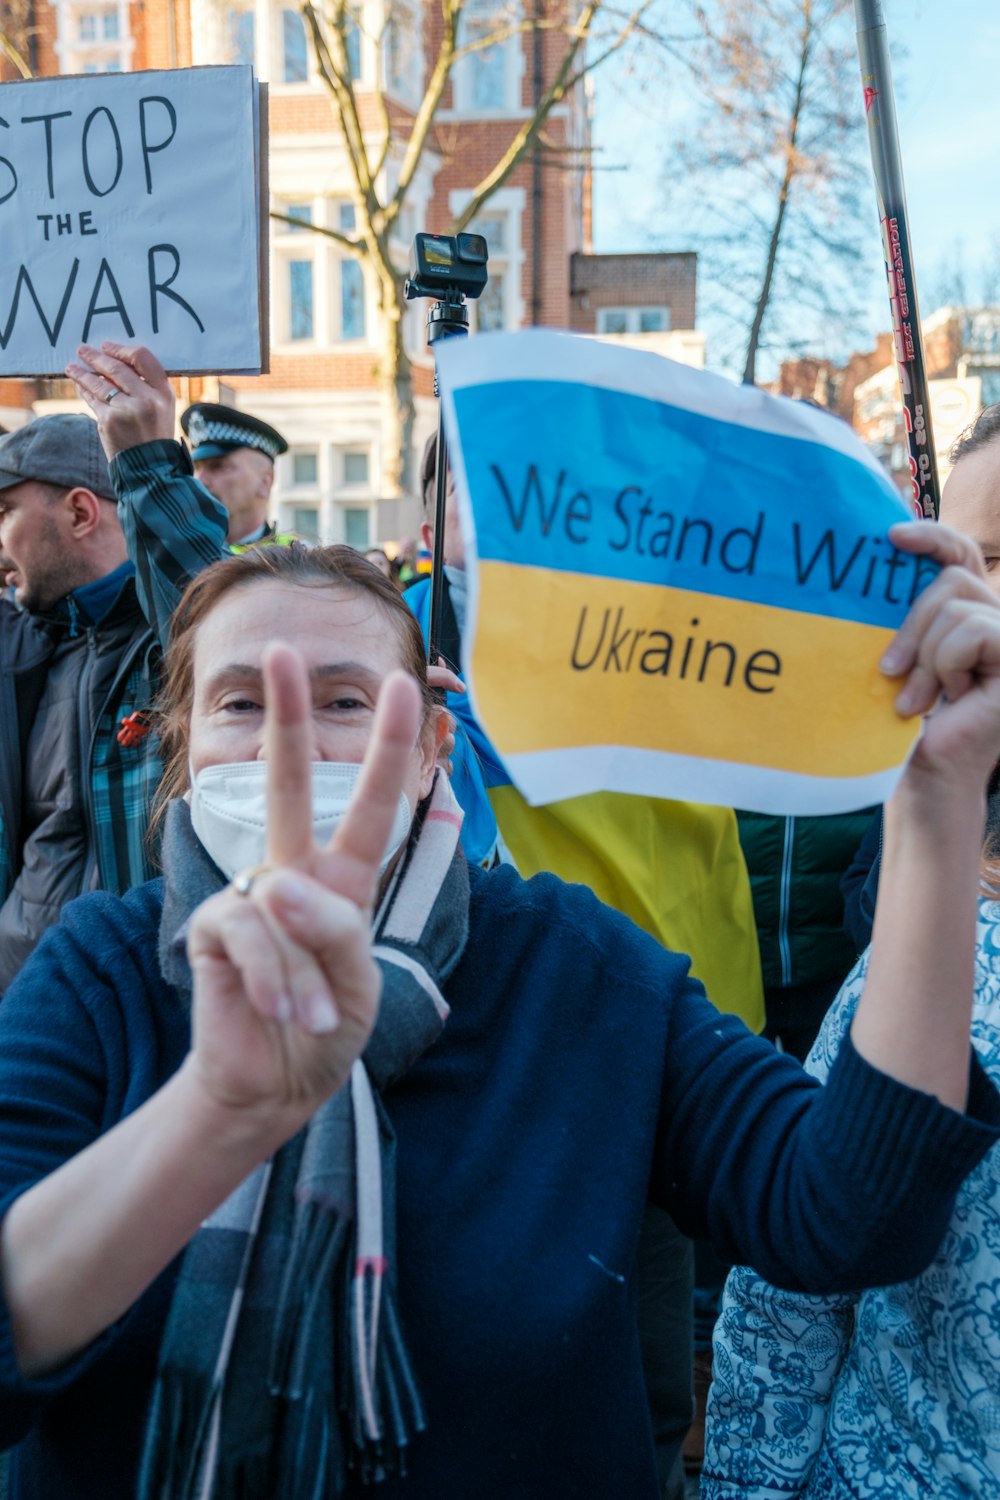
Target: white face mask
pixel 229 810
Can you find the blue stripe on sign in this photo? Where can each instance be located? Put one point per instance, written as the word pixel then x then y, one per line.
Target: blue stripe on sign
pixel 614 485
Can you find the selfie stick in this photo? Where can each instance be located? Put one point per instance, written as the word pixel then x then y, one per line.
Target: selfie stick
pixel 880 109
pixel 444 320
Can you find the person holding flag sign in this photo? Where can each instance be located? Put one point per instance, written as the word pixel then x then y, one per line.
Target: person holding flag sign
pixel 185 1065
pixel 569 1115
pixel 676 869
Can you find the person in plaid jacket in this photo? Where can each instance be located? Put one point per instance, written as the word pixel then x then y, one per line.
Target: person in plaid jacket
pixel 78 672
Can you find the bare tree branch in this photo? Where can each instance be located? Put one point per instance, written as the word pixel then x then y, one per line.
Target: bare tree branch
pixel 451 11
pixel 767 173
pixel 10 51
pixel 387 146
pixel 564 81
pixel 356 247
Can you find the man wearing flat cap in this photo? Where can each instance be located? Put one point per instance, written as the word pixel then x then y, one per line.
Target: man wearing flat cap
pixel 233 455
pixel 78 669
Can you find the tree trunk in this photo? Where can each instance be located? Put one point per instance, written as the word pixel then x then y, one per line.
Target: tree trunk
pixel 750 368
pixel 394 374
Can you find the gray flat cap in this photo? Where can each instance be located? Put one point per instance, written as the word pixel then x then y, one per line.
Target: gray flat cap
pixel 63 449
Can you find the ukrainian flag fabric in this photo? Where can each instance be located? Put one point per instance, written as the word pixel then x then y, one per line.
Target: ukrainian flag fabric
pixel 675 868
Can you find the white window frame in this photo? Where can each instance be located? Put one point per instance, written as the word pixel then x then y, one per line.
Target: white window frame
pixel 209 42
pixel 92 55
pixel 463 74
pixel 353 341
pixel 303 490
pixel 633 316
pixel 366 13
pixel 296 502
pixel 278 51
pixel 236 9
pixel 352 490
pixel 506 203
pixel 410 90
pixel 359 503
pixel 287 245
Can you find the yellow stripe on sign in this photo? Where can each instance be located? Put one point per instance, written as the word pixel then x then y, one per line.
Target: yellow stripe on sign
pixel 564 659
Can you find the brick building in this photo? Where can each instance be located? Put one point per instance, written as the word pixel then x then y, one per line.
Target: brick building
pixel 649 293
pixel 830 384
pixel 320 390
pixel 962 357
pixel 646 300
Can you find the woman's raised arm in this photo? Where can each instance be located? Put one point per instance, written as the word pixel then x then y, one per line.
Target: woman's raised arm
pixel 914 1015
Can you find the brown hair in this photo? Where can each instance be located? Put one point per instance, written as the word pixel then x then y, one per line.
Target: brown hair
pixel 985 429
pixel 978 435
pixel 310 567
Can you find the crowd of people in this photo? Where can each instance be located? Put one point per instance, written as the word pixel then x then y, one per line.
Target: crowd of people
pixel 354 1134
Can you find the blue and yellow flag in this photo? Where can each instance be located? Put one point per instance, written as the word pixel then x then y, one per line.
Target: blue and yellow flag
pixel 679 587
pixel 675 868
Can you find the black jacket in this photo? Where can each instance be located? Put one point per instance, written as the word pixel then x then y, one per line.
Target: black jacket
pixel 74 802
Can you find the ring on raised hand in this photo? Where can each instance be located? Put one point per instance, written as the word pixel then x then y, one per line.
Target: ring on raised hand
pixel 110 395
pixel 243 880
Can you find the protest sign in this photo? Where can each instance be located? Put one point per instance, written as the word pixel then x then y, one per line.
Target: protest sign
pixel 679 587
pixel 130 210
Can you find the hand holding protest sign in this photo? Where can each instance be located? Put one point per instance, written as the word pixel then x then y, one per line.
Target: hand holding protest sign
pixel 128 392
pixel 104 180
pixel 697 574
pixel 947 655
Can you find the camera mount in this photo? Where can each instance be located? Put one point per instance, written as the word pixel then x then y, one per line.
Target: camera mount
pixel 448 269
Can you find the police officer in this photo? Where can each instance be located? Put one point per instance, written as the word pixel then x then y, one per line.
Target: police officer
pixel 233 455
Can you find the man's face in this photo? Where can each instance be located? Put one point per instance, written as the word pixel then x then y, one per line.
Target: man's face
pixel 970 501
pixel 241 480
pixel 37 555
pixel 454 546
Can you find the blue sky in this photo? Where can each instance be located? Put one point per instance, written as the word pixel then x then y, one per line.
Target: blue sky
pixel 949 125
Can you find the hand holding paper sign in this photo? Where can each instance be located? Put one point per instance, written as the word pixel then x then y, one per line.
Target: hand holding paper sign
pixel 127 389
pixel 949 647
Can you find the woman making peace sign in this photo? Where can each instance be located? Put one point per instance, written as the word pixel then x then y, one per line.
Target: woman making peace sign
pixel 423 1259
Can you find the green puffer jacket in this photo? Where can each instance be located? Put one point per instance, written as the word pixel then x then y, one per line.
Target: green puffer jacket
pixel 795 866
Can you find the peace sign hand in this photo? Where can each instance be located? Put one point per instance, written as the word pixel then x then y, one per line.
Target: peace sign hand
pixel 286 989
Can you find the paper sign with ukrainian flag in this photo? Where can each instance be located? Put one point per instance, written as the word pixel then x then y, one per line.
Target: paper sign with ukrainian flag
pixel 679 586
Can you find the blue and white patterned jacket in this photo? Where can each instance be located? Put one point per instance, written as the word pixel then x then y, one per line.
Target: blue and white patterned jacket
pixel 894 1393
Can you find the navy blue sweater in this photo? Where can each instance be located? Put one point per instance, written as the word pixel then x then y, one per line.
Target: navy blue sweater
pixel 581 1070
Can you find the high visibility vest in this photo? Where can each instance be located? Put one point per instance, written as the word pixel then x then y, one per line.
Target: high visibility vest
pixel 271 538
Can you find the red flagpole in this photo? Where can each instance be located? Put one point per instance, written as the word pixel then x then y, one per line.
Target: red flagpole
pixel 883 138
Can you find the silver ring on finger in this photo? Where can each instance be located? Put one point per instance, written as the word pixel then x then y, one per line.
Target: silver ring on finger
pixel 109 396
pixel 243 880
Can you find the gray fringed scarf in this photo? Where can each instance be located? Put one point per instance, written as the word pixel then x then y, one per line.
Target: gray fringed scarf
pixel 283 1364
